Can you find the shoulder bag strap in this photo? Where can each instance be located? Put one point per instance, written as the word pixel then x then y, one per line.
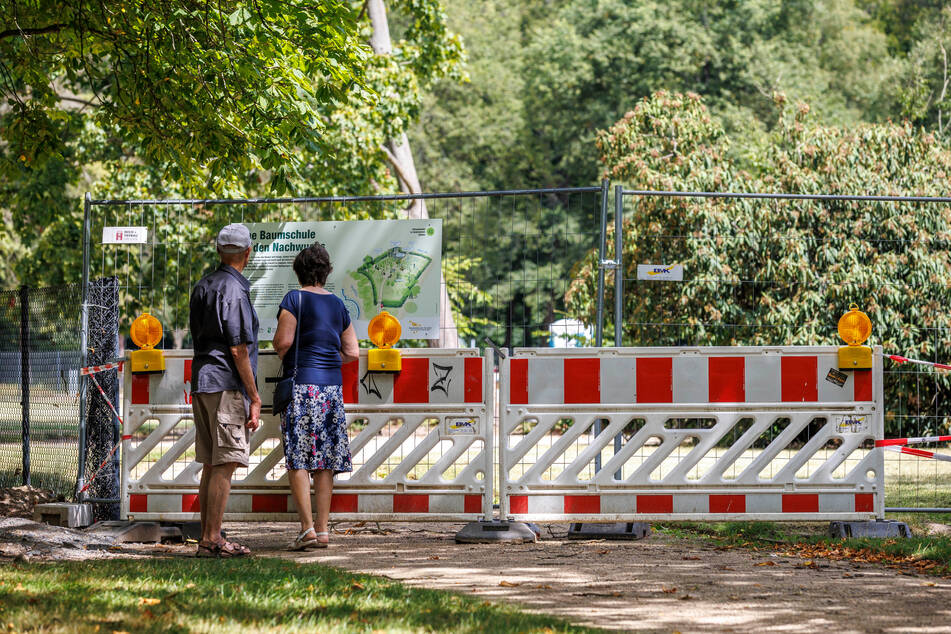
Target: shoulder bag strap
pixel 300 313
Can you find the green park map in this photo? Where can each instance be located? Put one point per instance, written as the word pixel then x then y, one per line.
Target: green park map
pixel 392 278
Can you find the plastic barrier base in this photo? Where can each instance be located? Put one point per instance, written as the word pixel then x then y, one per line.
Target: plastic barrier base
pixel 123 532
pixel 878 528
pixel 616 530
pixel 489 532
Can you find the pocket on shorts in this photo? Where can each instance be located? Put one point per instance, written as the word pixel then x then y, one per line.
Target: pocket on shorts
pixel 232 433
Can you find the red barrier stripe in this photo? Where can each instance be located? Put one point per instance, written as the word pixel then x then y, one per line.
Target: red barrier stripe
pixel 799 379
pixel 655 504
pixel 410 503
pixel 582 380
pixel 582 504
pixel 518 504
pixel 862 385
pixel 187 371
pixel 864 502
pixel 472 390
pixel 411 384
pixel 127 437
pixel 800 502
pixel 344 503
pixel 728 504
pixel 351 382
pixel 268 503
pixel 473 504
pixel 654 377
pixel 138 503
pixel 727 379
pixel 518 386
pixel 140 389
pixel 190 504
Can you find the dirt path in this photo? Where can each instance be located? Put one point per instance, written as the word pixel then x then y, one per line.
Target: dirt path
pixel 661 584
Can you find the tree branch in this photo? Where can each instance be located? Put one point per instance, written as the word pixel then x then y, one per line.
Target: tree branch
pixel 400 173
pixel 34 31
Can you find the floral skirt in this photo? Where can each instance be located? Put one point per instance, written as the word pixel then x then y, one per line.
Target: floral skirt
pixel 314 429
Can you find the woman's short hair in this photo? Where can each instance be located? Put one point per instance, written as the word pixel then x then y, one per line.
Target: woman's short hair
pixel 312 265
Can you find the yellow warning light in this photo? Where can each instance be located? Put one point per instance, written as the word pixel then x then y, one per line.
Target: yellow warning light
pixel 384 330
pixel 146 332
pixel 854 328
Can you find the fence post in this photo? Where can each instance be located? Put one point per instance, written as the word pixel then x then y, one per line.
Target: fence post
pixel 602 243
pixel 618 260
pixel 25 379
pixel 599 326
pixel 84 347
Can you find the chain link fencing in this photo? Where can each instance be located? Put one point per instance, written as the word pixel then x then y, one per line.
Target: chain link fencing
pixel 39 387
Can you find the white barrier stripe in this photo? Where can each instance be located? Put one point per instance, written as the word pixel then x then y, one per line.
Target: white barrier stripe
pixel 911 441
pixel 921 453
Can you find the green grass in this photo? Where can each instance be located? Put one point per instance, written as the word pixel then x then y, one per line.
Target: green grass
pixel 242 595
pixel 932 548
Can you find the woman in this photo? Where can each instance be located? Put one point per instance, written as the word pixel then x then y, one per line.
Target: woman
pixel 314 427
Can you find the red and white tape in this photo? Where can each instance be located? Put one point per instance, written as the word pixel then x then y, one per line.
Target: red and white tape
pixel 96 369
pixel 102 465
pixel 921 453
pixel 920 440
pixel 897 358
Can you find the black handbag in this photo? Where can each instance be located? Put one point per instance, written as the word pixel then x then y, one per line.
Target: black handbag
pixel 284 390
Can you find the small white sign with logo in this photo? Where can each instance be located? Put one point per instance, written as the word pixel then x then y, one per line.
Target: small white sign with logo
pixel 851 424
pixel 660 272
pixel 455 426
pixel 125 235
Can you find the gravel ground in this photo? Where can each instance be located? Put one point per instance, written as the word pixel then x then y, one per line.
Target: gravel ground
pixel 659 584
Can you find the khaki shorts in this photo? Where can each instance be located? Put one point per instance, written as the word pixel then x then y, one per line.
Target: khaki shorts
pixel 221 433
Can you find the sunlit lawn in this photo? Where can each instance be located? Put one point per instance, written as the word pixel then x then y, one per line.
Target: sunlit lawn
pixel 243 595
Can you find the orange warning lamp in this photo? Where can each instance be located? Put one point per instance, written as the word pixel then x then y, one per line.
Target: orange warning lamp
pixel 146 332
pixel 384 330
pixel 854 329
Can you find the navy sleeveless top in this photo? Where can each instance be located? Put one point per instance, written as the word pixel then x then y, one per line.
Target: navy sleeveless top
pixel 325 319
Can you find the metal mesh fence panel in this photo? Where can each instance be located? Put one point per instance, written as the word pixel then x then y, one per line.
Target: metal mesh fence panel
pixel 49 405
pixel 507 256
pixel 780 270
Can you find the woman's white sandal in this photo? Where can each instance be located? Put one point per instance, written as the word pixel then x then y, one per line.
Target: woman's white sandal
pixel 320 544
pixel 300 543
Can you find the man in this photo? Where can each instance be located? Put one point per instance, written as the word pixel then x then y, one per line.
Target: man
pixel 225 399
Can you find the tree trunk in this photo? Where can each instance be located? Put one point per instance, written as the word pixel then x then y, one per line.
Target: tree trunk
pixel 400 155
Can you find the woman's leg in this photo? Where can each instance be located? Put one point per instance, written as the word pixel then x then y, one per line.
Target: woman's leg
pixel 324 483
pixel 300 489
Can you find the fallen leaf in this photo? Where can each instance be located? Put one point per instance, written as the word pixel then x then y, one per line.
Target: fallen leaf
pixel 686 597
pixel 434 556
pixel 19 586
pixel 929 583
pixel 603 552
pixel 508 584
pixel 189 586
pixel 766 563
pixel 149 601
pixel 691 558
pixel 358 586
pixel 545 586
pixel 668 590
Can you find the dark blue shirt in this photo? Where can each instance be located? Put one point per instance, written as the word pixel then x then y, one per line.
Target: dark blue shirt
pixel 324 320
pixel 220 315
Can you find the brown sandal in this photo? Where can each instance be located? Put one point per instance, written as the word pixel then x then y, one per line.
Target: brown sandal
pixel 222 550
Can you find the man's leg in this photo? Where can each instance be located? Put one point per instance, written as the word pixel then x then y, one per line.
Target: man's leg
pixel 203 495
pixel 219 488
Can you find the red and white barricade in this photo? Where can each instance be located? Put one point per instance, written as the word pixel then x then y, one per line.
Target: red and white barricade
pixel 689 434
pixel 421 441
